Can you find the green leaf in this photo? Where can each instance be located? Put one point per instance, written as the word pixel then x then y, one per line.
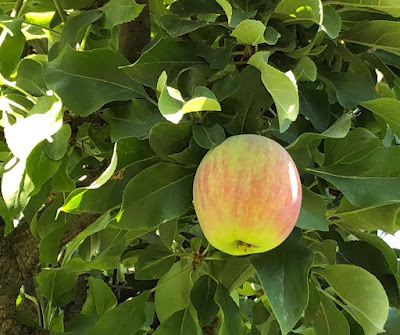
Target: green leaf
pixel 370 313
pixel 182 322
pixel 57 322
pixel 250 32
pixel 158 194
pixel 178 136
pixel 272 35
pixel 366 182
pixel 170 101
pixel 29 77
pixel 300 10
pixel 134 120
pixel 57 286
pixel 217 58
pixel 386 108
pixel 130 157
pixel 393 322
pixel 86 80
pixel 74 199
pixel 49 230
pixel 351 89
pixel 154 262
pixel 384 217
pixel 48 5
pixel 381 245
pixel 76 27
pixel 49 245
pixel 126 319
pixel 332 22
pixel 57 148
pixel 5 215
pixel 98 225
pixel 329 320
pixel 47 221
pixel 227 86
pixel 191 156
pixel 188 80
pixel 120 11
pixel 109 195
pixel 11 48
pixel 62 181
pixel 388 6
pixel 16 187
pixel 10 24
pixel 177 27
pixel 231 321
pixel 208 137
pixel 172 105
pixel 173 290
pixel 263 321
pixel 313 212
pixel 303 148
pixel 187 7
pixel 238 15
pixel 227 7
pixel 100 298
pixel 357 144
pixel 236 272
pixel 40 168
pixel 168 232
pixel 315 106
pixel 376 34
pixel 282 87
pixel 364 255
pixel 248 102
pixel 203 100
pixel 305 70
pixel 285 279
pixel 159 58
pixel 80 324
pixel 35 128
pixel 202 298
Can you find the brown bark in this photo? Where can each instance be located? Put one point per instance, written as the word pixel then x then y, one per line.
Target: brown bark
pixel 19 261
pixel 19 258
pixel 75 306
pixel 134 35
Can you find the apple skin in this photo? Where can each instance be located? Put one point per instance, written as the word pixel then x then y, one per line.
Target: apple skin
pixel 247 195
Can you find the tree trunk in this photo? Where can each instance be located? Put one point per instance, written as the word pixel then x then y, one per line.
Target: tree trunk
pixel 134 35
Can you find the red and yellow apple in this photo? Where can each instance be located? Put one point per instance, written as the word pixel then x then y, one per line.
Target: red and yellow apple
pixel 247 195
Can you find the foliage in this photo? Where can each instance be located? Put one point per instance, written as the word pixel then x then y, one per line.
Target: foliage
pixel 320 77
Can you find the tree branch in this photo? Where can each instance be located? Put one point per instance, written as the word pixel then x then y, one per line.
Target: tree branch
pixel 134 35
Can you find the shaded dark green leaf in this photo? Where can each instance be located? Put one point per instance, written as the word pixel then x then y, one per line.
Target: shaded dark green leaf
pixel 231 322
pixel 208 137
pixel 173 290
pixel 202 298
pixel 158 194
pixel 100 298
pixel 313 212
pixel 154 262
pixel 86 80
pixel 285 279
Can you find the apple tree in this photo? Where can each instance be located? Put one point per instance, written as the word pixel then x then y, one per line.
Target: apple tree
pixel 109 106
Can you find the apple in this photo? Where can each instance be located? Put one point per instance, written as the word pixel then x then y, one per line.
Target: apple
pixel 247 195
